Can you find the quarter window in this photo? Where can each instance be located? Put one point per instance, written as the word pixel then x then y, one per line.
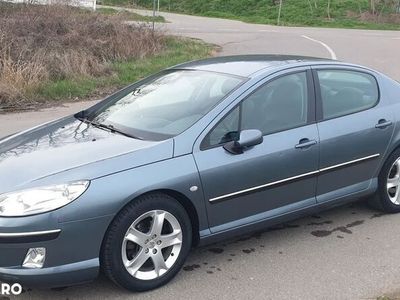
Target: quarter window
pixel 278 105
pixel 345 92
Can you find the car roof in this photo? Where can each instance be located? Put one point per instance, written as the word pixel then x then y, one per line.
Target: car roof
pixel 246 65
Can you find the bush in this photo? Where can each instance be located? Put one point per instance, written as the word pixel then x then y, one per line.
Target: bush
pixel 39 44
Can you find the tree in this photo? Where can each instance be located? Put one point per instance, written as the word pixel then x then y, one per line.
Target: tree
pixel 329 9
pixel 372 6
pixel 279 12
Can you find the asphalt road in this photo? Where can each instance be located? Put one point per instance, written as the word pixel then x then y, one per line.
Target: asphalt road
pixel 347 253
pixel 372 48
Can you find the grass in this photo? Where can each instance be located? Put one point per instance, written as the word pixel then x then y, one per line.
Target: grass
pixel 130 16
pixel 343 13
pixel 177 50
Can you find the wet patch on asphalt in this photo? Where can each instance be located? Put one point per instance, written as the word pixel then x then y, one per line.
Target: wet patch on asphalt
pixel 282 227
pixel 319 223
pixel 256 236
pixel 219 249
pixel 316 217
pixel 248 251
pixel 216 250
pixel 343 229
pixel 377 215
pixel 355 223
pixel 191 267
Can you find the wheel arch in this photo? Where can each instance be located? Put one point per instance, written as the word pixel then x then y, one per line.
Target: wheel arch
pixel 190 209
pixel 181 198
pixel 395 145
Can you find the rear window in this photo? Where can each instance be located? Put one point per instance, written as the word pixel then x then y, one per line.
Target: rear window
pixel 345 92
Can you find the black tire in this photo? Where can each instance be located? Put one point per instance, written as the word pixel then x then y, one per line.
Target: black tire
pixel 381 199
pixel 111 256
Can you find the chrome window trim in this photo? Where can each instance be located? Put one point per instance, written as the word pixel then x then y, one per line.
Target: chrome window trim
pixel 32 233
pixel 293 178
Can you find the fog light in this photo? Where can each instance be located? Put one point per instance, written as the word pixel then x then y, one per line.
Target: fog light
pixel 35 257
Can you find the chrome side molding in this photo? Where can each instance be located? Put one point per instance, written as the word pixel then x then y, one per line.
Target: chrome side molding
pixel 270 184
pixel 32 233
pixel 349 162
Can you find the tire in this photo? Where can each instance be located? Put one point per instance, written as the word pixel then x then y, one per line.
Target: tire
pixel 386 198
pixel 136 241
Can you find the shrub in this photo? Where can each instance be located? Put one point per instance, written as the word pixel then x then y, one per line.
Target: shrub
pixel 49 43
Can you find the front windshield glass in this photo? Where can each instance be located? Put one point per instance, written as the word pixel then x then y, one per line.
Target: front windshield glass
pixel 168 104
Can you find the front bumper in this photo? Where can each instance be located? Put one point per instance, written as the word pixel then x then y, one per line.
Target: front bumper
pixel 72 249
pixel 59 276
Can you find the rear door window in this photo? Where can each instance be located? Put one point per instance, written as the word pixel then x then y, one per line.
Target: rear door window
pixel 345 92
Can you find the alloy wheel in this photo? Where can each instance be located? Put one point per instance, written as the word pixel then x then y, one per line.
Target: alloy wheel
pixel 152 245
pixel 393 183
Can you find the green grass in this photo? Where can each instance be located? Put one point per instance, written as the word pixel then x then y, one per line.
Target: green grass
pixel 131 16
pixel 177 50
pixel 343 13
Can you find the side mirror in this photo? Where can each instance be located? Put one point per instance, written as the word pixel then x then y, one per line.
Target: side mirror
pixel 248 138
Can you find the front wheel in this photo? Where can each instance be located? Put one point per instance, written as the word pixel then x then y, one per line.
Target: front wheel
pixel 388 194
pixel 147 243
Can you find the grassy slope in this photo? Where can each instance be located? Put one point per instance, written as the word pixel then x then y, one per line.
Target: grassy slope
pixel 294 12
pixel 130 16
pixel 177 50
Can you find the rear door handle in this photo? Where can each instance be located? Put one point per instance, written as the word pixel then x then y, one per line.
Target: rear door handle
pixel 305 143
pixel 382 124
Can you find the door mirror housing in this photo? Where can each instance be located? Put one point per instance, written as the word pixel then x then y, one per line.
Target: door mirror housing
pixel 248 138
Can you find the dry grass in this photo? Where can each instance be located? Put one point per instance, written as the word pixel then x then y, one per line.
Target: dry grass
pixel 39 44
pixel 389 18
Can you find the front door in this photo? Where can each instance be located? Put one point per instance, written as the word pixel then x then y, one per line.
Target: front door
pixel 274 177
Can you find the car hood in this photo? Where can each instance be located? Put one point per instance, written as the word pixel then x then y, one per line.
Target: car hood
pixel 68 150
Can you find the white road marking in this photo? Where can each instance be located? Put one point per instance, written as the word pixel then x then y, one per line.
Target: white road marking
pixel 331 52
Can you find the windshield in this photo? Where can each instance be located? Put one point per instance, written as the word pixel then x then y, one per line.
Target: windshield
pixel 168 104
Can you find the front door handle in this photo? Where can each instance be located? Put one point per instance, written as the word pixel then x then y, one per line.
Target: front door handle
pixel 305 143
pixel 382 124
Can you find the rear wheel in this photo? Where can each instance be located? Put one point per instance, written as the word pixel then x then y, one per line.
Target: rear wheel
pixel 388 195
pixel 147 243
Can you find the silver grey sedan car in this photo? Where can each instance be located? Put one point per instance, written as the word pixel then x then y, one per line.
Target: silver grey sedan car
pixel 194 154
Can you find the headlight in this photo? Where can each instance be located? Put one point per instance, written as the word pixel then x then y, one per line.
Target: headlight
pixel 41 199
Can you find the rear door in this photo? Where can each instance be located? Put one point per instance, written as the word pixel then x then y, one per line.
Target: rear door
pixel 355 128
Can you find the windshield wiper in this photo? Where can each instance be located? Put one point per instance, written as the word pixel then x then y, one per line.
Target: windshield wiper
pixel 109 127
